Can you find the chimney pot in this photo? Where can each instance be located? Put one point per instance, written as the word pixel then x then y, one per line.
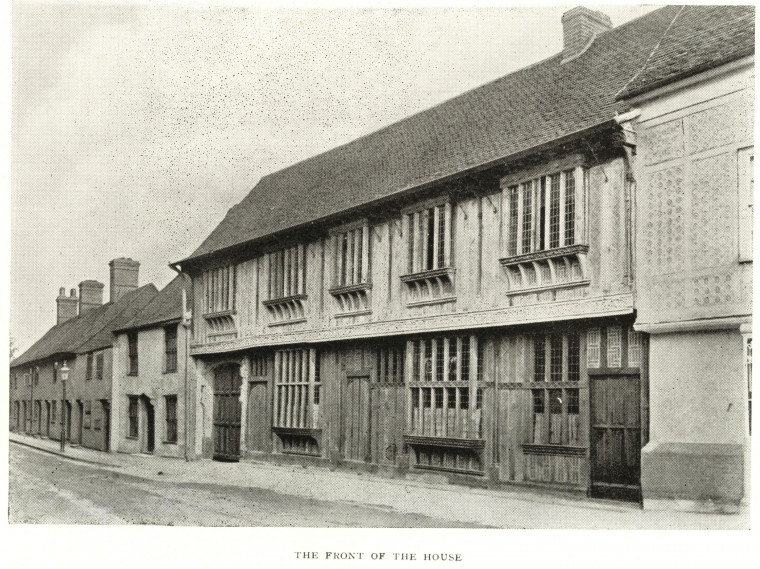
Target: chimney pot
pixel 73 293
pixel 124 277
pixel 90 295
pixel 66 306
pixel 580 26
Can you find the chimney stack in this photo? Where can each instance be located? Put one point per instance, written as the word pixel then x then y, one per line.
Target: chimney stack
pixel 67 305
pixel 90 295
pixel 124 277
pixel 580 26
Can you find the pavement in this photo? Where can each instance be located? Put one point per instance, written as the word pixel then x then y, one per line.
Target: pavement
pixel 455 505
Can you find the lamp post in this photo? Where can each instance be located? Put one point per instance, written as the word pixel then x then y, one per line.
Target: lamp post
pixel 31 402
pixel 64 378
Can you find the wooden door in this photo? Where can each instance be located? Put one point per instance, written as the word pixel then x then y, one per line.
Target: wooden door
pixel 616 437
pixel 106 425
pixel 151 423
pixel 227 412
pixel 47 418
pixel 258 424
pixel 355 418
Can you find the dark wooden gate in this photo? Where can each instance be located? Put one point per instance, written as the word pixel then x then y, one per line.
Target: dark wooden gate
pixel 616 437
pixel 356 432
pixel 227 412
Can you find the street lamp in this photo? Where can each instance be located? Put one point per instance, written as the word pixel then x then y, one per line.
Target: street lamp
pixel 64 378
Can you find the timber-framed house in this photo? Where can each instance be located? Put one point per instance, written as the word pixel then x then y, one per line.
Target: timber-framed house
pixel 453 293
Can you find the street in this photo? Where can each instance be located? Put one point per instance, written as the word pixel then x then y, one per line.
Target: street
pixel 47 489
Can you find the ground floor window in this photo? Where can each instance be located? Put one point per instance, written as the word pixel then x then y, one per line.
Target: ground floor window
pixel 297 385
pixel 556 416
pixel 87 414
pixel 171 418
pixel 132 415
pixel 53 411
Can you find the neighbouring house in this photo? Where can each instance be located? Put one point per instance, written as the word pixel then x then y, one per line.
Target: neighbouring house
pixel 693 121
pixel 82 340
pixel 459 292
pixel 154 379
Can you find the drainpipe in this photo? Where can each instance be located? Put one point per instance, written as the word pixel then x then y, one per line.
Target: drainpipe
pixel 186 323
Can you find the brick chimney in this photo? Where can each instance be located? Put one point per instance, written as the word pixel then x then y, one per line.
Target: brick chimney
pixel 580 26
pixel 124 277
pixel 90 295
pixel 67 305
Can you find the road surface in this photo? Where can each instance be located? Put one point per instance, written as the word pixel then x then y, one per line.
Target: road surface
pixel 45 489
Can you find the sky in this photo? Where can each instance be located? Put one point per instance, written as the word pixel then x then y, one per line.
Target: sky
pixel 135 127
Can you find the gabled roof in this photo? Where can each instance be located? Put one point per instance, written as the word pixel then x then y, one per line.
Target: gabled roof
pixel 164 308
pixel 90 331
pixel 700 38
pixel 521 111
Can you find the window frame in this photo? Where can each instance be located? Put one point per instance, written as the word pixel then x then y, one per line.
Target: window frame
pixel 170 419
pixel 133 355
pixel 286 272
pixel 89 369
pixel 133 420
pixel 539 215
pixel 424 254
pixel 297 386
pixel 219 289
pixel 557 381
pixel 358 250
pixel 170 355
pixel 99 365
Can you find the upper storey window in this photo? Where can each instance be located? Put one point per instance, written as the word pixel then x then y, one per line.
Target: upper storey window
pixel 428 229
pixel 219 289
pixel 541 213
pixel 429 237
pixel 351 272
pixel 544 218
pixel 287 269
pixel 287 278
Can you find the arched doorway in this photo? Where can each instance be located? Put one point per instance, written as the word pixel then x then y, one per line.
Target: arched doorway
pixel 227 411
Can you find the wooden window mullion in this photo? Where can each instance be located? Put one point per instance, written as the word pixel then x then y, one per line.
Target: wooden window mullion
pixel 562 183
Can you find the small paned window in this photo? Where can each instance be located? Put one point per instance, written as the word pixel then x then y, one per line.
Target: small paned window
pixel 132 414
pixel 88 373
pixel 87 414
pixel 170 348
pixel 171 418
pixel 133 361
pixel 99 366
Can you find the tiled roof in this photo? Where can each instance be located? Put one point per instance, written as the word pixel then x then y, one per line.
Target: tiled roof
pixel 166 306
pixel 523 110
pixel 92 330
pixel 700 38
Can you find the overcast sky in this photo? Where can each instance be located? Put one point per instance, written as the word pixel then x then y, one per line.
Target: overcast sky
pixel 136 127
